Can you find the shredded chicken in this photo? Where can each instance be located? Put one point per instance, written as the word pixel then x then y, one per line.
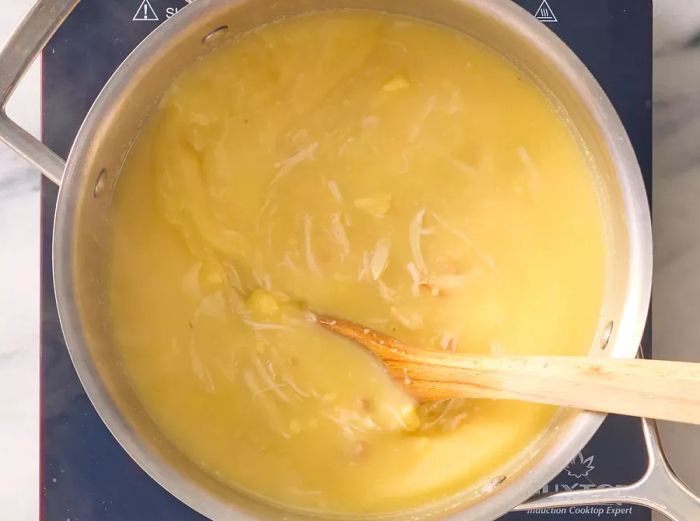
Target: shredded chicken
pixel 268 378
pixel 436 413
pixel 415 231
pixel 418 269
pixel 257 390
pixel 414 321
pixel 264 280
pixel 456 421
pixel 401 419
pixel 265 326
pixel 232 276
pixel 377 205
pixel 288 262
pixel 364 267
pixel 290 382
pixel 386 292
pixel 435 284
pixel 345 145
pixel 286 166
pixel 466 240
pixel 449 342
pixel 533 176
pixel 416 278
pixel 380 258
pixel 446 282
pixel 335 191
pixel 351 422
pixel 310 258
pixel 420 121
pixel 340 236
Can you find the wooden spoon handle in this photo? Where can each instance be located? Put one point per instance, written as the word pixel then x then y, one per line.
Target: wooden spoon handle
pixel 645 388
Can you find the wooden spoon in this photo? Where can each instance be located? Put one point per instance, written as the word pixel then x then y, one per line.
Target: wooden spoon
pixel 646 388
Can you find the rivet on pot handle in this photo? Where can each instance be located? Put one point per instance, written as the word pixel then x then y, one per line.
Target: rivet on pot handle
pixel 659 489
pixel 22 48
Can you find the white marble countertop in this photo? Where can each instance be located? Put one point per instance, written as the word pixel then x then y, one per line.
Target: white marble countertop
pixel 676 303
pixel 676 208
pixel 19 303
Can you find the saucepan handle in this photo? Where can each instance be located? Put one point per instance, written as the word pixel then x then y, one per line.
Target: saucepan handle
pixel 659 489
pixel 20 51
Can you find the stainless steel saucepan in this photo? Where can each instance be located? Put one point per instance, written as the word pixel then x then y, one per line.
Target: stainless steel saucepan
pixel 89 176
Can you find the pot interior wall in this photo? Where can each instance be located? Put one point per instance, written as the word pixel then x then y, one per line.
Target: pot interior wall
pixel 82 225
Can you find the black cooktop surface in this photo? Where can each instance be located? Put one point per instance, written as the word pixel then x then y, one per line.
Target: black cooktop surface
pixel 85 474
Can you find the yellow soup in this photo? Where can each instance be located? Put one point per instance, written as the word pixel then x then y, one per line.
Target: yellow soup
pixel 378 168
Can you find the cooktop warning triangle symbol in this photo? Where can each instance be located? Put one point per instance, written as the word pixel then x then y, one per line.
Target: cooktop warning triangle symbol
pixel 145 13
pixel 545 14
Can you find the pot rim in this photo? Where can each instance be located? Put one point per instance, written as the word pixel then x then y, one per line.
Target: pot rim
pixel 573 435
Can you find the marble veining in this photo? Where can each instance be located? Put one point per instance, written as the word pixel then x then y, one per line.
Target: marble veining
pixel 676 207
pixel 19 338
pixel 17 176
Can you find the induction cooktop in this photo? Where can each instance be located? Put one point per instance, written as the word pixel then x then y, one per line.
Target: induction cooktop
pixel 85 474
